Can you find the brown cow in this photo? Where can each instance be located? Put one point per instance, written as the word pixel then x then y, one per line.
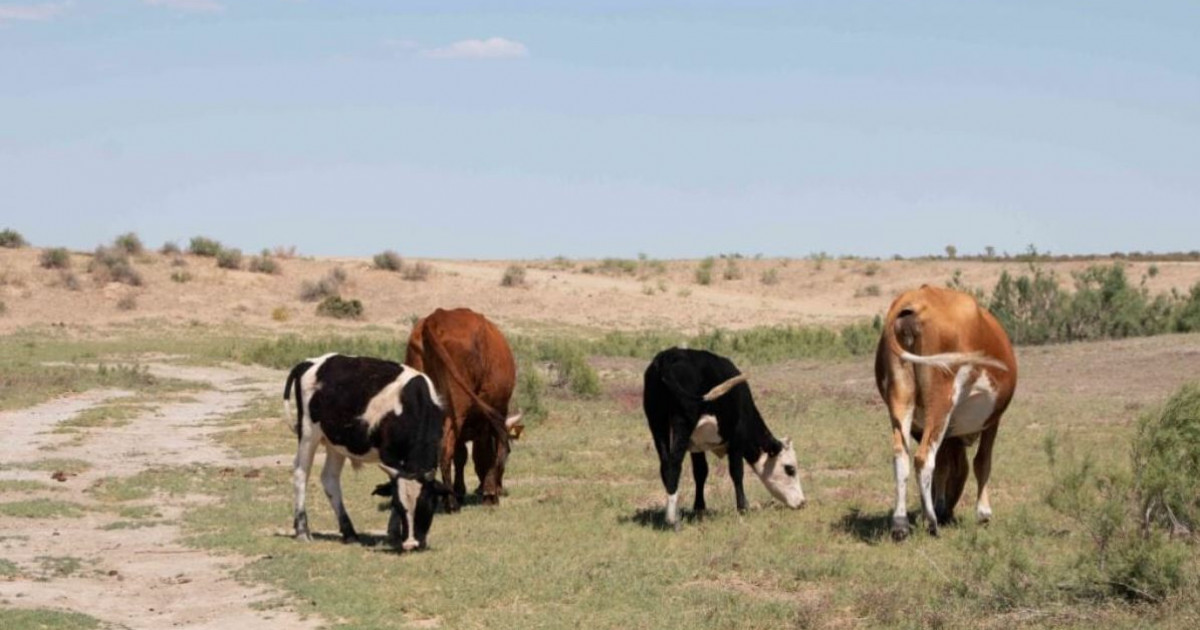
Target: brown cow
pixel 946 371
pixel 472 367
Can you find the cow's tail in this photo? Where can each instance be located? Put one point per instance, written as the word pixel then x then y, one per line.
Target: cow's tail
pixel 294 377
pixel 906 314
pixel 716 392
pixel 497 419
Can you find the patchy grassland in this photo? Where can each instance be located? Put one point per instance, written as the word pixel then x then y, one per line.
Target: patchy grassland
pixel 581 539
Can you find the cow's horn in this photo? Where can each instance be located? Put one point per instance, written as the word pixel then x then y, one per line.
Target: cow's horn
pixel 391 472
pixel 723 388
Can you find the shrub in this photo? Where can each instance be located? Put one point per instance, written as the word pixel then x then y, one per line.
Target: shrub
pixel 329 286
pixel 127 302
pixel 704 271
pixel 264 264
pixel 872 269
pixel 334 306
pixel 112 265
pixel 732 272
pixel 417 272
pixel 281 314
pixel 129 243
pixel 170 248
pixel 514 276
pixel 284 252
pixel 204 246
pixel 770 277
pixel 1166 463
pixel 3 307
pixel 530 386
pixel 12 239
pixel 618 266
pixel 55 258
pixel 1152 271
pixel 229 258
pixel 69 280
pixel 871 290
pixel 179 261
pixel 181 276
pixel 388 260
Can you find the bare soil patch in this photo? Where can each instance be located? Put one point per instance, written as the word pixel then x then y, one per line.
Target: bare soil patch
pixel 139 576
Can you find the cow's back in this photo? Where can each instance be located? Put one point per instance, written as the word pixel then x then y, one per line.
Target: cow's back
pixel 475 349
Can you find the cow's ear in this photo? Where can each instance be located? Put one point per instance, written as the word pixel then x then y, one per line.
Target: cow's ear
pixel 774 447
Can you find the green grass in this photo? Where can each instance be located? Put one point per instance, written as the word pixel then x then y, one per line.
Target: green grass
pixel 8 569
pixel 45 619
pixel 108 416
pixel 23 486
pixel 54 464
pixel 41 508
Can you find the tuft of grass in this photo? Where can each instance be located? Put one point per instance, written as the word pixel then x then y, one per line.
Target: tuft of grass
pixel 704 271
pixel 41 508
pixel 264 264
pixel 871 290
pixel 106 416
pixel 55 258
pixel 204 246
pixel 770 277
pixel 416 272
pixel 732 271
pixel 229 258
pixel 12 239
pixel 338 308
pixel 514 276
pixel 3 307
pixel 388 260
pixel 281 314
pixel 181 276
pixel 110 264
pixel 129 243
pixel 24 486
pixel 46 619
pixel 68 280
pixel 128 302
pixel 326 287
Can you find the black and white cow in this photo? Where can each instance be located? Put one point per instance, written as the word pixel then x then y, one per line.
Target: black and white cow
pixel 696 401
pixel 368 410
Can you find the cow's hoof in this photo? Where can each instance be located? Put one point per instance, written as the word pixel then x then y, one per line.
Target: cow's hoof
pixel 303 536
pixel 933 530
pixel 899 528
pixel 491 500
pixel 352 538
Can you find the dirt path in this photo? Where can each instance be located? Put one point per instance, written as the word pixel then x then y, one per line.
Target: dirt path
pixel 133 578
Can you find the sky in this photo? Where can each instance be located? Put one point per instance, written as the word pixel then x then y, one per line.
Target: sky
pixel 528 129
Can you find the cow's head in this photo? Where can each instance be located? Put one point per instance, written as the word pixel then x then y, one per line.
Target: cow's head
pixel 780 475
pixel 514 426
pixel 414 500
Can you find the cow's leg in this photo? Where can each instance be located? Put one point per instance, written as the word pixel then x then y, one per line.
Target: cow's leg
pixel 700 474
pixel 331 481
pixel 954 470
pixel 737 470
pixel 939 409
pixel 301 466
pixel 484 455
pixel 460 467
pixel 983 469
pixel 902 418
pixel 672 465
pixel 453 500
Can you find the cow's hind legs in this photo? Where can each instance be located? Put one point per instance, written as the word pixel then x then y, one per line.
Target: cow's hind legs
pixel 671 466
pixel 983 469
pixel 331 481
pixel 700 474
pixel 305 451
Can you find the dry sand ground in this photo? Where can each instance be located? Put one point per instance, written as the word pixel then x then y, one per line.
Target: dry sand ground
pixel 558 293
pixel 142 577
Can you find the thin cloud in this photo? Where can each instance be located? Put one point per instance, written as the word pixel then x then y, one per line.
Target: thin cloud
pixel 492 48
pixel 42 12
pixel 190 6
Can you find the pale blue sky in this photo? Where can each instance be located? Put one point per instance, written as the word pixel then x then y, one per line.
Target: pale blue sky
pixel 531 129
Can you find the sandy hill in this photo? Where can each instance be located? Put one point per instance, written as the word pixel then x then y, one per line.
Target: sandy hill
pixel 560 294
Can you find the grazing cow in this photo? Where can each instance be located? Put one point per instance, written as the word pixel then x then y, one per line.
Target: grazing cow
pixel 946 371
pixel 471 364
pixel 368 410
pixel 696 401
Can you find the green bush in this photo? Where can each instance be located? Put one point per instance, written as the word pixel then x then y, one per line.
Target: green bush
pixel 528 399
pixel 55 258
pixel 388 261
pixel 170 248
pixel 181 276
pixel 129 243
pixel 334 306
pixel 110 264
pixel 204 246
pixel 1166 462
pixel 229 258
pixel 514 276
pixel 12 239
pixel 732 271
pixel 770 277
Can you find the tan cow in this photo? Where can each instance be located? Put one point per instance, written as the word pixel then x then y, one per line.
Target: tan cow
pixel 946 371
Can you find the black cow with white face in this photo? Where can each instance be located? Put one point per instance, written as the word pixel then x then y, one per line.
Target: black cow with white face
pixel 695 402
pixel 374 411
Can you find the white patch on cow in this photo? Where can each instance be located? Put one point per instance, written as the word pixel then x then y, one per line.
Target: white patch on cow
pixel 781 476
pixel 308 388
pixel 706 437
pixel 357 459
pixel 962 388
pixel 900 466
pixel 409 490
pixel 971 412
pixel 672 508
